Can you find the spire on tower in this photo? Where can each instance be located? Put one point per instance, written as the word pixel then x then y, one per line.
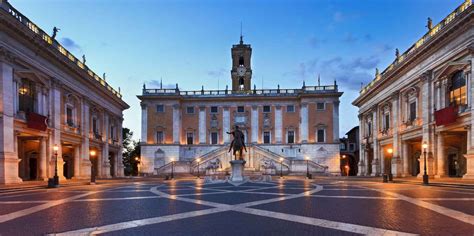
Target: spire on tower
pixel 241 37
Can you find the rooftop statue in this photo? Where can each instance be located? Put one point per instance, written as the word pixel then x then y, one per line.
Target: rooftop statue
pixel 55 32
pixel 430 24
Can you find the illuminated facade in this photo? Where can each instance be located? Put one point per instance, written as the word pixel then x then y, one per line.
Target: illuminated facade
pixel 286 125
pixel 425 96
pixel 51 98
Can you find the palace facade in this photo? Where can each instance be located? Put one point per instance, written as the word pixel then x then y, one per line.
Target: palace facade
pixel 50 98
pixel 286 127
pixel 424 97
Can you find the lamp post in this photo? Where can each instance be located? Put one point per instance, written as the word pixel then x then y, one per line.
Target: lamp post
pixel 56 177
pixel 307 168
pixel 390 176
pixel 198 160
pixel 344 158
pixel 92 154
pixel 425 176
pixel 137 161
pixel 281 167
pixel 172 168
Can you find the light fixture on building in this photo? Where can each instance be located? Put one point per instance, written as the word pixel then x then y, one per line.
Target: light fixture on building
pixel 425 175
pixel 92 155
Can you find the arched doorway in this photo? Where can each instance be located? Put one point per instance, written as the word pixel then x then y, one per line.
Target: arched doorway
pixel 33 165
pixel 68 166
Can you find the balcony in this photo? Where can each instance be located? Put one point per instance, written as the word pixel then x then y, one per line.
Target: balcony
pixel 95 135
pixel 71 128
pixel 409 124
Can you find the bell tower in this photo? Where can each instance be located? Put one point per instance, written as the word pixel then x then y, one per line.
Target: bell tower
pixel 241 72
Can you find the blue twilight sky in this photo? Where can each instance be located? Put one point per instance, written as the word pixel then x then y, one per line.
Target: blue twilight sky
pixel 188 42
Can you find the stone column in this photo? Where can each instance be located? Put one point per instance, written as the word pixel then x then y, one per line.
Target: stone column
pixel 377 159
pixel 441 168
pixel 396 163
pixel 176 123
pixel 405 159
pixel 254 124
pixel 8 155
pixel 362 158
pixel 144 122
pixel 202 125
pixel 77 162
pixel 43 174
pixel 56 118
pixel 304 123
pixel 119 164
pixel 85 163
pixel 470 152
pixel 105 163
pixel 427 137
pixel 335 121
pixel 225 124
pixel 278 124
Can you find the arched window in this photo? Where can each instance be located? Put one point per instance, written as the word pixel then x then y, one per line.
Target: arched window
pixel 26 95
pixel 457 90
pixel 241 61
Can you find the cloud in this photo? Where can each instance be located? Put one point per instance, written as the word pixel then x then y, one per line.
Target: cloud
pixel 219 73
pixel 364 63
pixel 350 38
pixel 384 48
pixel 70 44
pixel 155 84
pixel 338 16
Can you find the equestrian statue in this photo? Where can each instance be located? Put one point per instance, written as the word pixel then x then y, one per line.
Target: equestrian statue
pixel 238 143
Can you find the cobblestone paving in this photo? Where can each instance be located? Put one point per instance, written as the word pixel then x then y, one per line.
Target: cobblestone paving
pixel 282 207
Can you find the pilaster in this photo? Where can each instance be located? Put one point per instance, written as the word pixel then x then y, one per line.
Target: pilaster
pixel 225 124
pixel 202 125
pixel 304 123
pixel 278 124
pixel 176 123
pixel 254 124
pixel 144 122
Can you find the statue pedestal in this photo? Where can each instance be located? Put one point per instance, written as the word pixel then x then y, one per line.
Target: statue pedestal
pixel 237 174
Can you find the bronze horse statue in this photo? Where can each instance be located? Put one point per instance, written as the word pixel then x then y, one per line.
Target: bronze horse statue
pixel 238 143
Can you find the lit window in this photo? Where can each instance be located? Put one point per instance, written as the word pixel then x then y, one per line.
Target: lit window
pixel 26 95
pixel 457 91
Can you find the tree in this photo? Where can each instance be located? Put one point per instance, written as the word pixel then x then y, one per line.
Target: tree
pixel 131 152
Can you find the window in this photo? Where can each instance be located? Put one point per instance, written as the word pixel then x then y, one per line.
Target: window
pixel 241 61
pixel 351 146
pixel 266 108
pixel 112 132
pixel 266 137
pixel 214 137
pixel 412 114
pixel 69 116
pixel 94 125
pixel 214 110
pixel 26 95
pixel 190 110
pixel 159 137
pixel 386 121
pixel 320 106
pixel 190 138
pixel 290 108
pixel 291 136
pixel 160 108
pixel 342 146
pixel 369 129
pixel 240 109
pixel 457 90
pixel 321 136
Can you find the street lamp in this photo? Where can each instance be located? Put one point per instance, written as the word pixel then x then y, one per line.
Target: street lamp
pixel 172 168
pixel 92 154
pixel 425 176
pixel 308 176
pixel 56 177
pixel 390 176
pixel 281 167
pixel 198 160
pixel 137 162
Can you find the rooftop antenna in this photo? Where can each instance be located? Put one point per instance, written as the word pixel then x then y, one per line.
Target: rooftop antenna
pixel 161 82
pixel 319 80
pixel 241 37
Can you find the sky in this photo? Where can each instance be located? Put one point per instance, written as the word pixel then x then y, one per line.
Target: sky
pixel 188 41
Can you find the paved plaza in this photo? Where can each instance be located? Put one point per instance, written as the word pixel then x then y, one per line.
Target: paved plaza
pixel 281 207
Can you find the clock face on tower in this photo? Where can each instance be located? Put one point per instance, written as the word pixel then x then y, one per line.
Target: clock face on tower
pixel 241 71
